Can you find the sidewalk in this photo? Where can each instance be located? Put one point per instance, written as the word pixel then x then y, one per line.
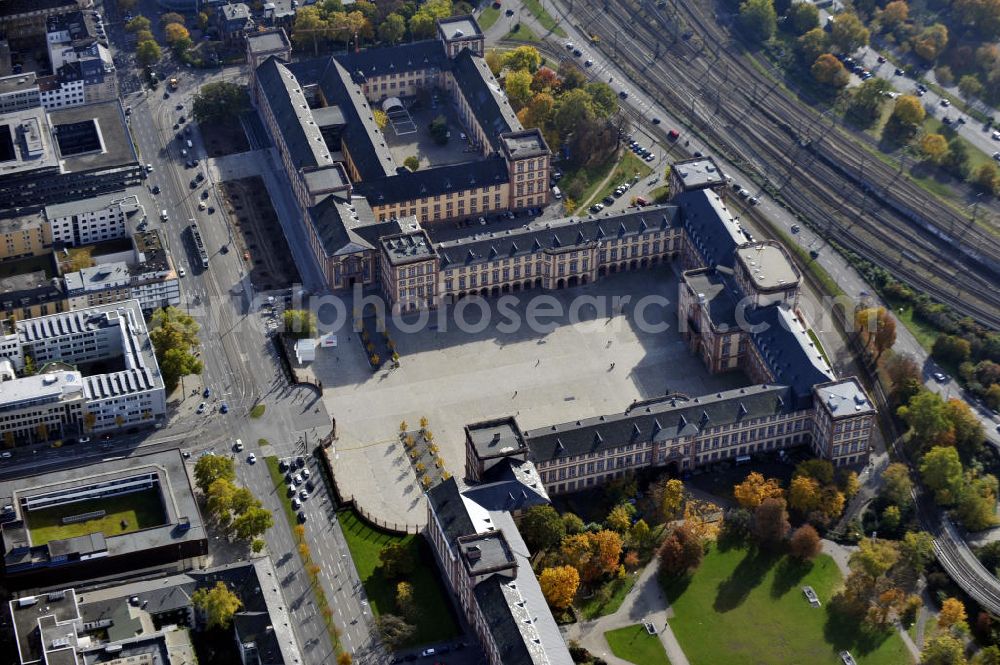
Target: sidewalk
pixel 645 602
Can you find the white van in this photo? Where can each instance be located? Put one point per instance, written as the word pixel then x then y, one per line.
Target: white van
pixel 163 215
pixel 556 193
pixel 189 144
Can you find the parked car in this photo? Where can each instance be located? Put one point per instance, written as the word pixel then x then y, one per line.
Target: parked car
pixel 252 458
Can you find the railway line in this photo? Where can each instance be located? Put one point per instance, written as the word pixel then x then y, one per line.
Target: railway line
pixel 801 156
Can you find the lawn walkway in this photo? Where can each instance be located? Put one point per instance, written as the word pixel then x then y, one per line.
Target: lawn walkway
pixel 742 606
pixel 646 602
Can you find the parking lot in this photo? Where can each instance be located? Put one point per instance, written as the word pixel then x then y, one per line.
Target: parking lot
pixel 454 377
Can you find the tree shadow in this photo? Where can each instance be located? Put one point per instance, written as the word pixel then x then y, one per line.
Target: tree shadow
pixel 845 632
pixel 788 574
pixel 674 587
pixel 745 577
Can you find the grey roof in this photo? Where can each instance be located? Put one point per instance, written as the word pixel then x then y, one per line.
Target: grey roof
pixel 27 617
pixel 657 420
pixel 291 111
pixel 22 221
pixel 17 83
pixel 458 28
pixel 345 227
pixel 179 503
pixel 407 247
pixel 768 265
pixel 485 96
pixel 845 398
pixel 98 278
pixel 788 351
pixel 15 7
pixel 446 502
pixel 109 120
pixel 410 57
pixel 51 387
pixel 365 141
pixel 484 553
pixel 698 172
pixel 410 186
pixel 719 290
pixel 555 236
pixel 127 200
pixel 26 142
pixel 495 438
pixel 325 179
pixel 268 41
pixel 525 143
pixel 711 228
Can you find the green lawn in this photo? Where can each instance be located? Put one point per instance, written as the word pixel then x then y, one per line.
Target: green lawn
pixel 593 607
pixel 744 607
pixel 488 17
pixel 139 510
pixel 543 17
pixel 523 33
pixel 435 622
pixel 627 168
pixel 637 646
pixel 924 333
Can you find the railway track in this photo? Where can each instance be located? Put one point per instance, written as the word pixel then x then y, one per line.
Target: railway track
pixel 848 194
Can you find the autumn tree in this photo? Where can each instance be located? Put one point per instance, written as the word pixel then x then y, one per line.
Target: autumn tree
pixel 174 32
pixel 952 613
pixel 397 560
pixel 545 79
pixel 669 498
pixel 820 470
pixel 951 348
pixel 517 85
pixel 593 554
pixel 802 17
pixel 755 489
pixel 220 101
pixel 876 328
pixel 805 543
pixel 812 45
pixel 405 601
pixel 392 29
pixel 931 42
pixel 681 552
pixel 171 17
pixel 394 629
pixel 559 585
pixel 916 550
pixel 148 52
pixel 976 505
pixel 908 111
pixel 943 649
pixel 210 468
pixel 897 485
pixel 933 147
pixel 523 57
pixel 217 603
pixel 542 527
pixel 848 33
pixel 941 471
pixel 804 494
pixel 639 534
pixel 987 178
pixel 771 523
pixel 830 71
pixel 758 19
pixel 252 523
pixel 966 428
pixel 620 517
pixel 138 24
pixel 927 416
pixel 310 28
pixel 174 334
pixel 894 14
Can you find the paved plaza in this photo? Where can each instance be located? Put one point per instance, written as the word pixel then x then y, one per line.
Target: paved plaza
pixel 454 377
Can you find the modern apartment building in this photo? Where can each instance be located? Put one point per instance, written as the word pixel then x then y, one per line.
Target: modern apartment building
pixel 19 92
pixel 129 393
pixel 25 235
pixel 92 220
pixel 149 621
pixel 66 154
pixel 170 536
